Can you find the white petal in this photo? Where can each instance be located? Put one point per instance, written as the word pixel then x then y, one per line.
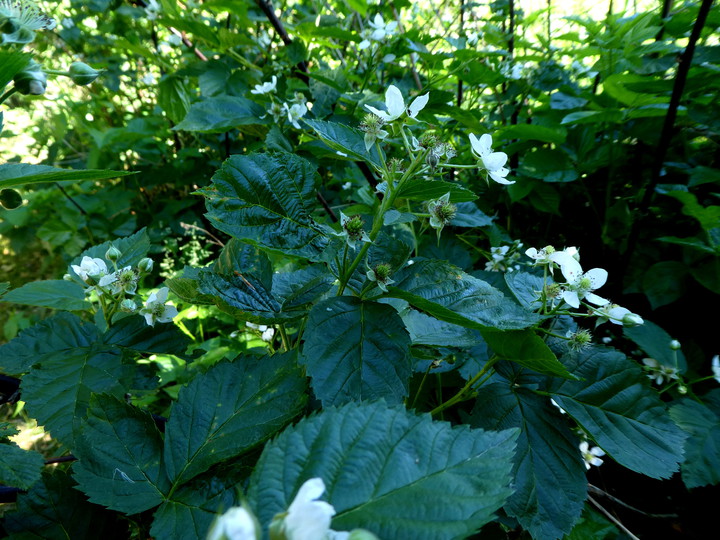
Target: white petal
pixel 382 114
pixel 314 488
pixel 499 176
pixel 391 26
pixel 149 319
pixel 569 267
pixel 486 143
pixel 394 102
pixel 598 277
pixel 369 139
pixel 476 146
pixel 595 299
pixel 162 295
pixel 418 105
pixel 494 161
pixel 571 298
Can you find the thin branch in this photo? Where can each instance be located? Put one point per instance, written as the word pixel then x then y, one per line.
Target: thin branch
pixel 188 43
pixel 188 226
pixel 326 206
pixel 267 9
pixel 597 491
pixel 612 518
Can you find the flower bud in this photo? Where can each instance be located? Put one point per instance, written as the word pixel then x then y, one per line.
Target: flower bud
pixel 82 74
pixel 145 265
pixel 432 160
pixel 31 81
pixel 128 306
pixel 361 534
pixel 631 319
pixel 675 345
pixel 682 389
pixel 67 277
pixel 112 254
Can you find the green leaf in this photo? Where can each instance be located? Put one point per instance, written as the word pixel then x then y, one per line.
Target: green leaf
pixel 173 97
pixel 238 256
pixel 356 350
pixel 526 348
pixel 53 293
pixel 296 290
pixel 53 509
pixel 427 330
pixel 533 132
pixel 655 342
pixel 134 333
pixel 449 294
pixel 243 297
pixel 62 333
pixel 120 451
pixel 427 190
pixel 191 509
pixel 57 392
pixel 702 448
pixel 525 287
pixel 663 284
pixel 347 140
pixel 132 248
pixel 267 200
pixel 593 525
pixel 21 174
pixel 228 410
pixel 549 475
pixel 19 468
pixel 616 86
pixel 12 62
pixel 410 477
pixel 469 215
pixel 614 404
pixel 610 116
pixel 221 113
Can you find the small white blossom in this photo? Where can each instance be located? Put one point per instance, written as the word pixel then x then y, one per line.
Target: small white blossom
pixel 381 29
pixel 265 88
pixel 308 518
pixel 472 38
pixel 90 267
pixel 148 79
pixel 715 363
pixel 617 315
pixel 295 112
pixel 395 105
pixel 579 285
pixel 591 456
pixel 658 372
pixel 156 310
pixel 124 280
pixel 493 162
pixel 235 524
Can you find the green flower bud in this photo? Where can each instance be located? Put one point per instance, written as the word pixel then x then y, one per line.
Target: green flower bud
pixel 128 306
pixel 682 389
pixel 82 74
pixel 67 277
pixel 112 254
pixel 145 265
pixel 361 534
pixel 675 345
pixel 31 81
pixel 631 319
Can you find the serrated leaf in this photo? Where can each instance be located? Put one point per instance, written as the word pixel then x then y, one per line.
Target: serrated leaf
pixel 237 256
pixel 614 404
pixel 427 190
pixel 120 451
pixel 397 464
pixel 296 290
pixel 21 174
pixel 53 509
pixel 57 392
pixel 469 215
pixel 19 468
pixel 52 293
pixel 266 200
pixel 702 447
pixel 61 333
pixel 132 249
pixel 221 113
pixel 427 330
pixel 356 350
pixel 349 141
pixel 449 294
pixel 549 475
pixel 134 333
pixel 526 287
pixel 230 409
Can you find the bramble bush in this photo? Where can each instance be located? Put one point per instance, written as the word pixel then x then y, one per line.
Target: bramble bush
pixel 336 270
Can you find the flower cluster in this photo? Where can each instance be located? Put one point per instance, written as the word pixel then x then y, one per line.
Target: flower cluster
pixel 380 31
pixel 19 19
pixel 658 372
pixel 441 212
pixel 503 259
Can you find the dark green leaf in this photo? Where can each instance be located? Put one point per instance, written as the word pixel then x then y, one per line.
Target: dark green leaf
pixel 655 342
pixel 53 293
pixel 449 294
pixel 549 475
pixel 230 409
pixel 132 249
pixel 267 199
pixel 526 348
pixel 221 113
pixel 134 333
pixel 469 215
pixel 173 97
pixel 21 174
pixel 19 468
pixel 62 333
pixel 614 404
pixel 237 256
pixel 556 135
pixel 12 62
pixel 427 190
pixel 702 447
pixel 243 297
pixel 120 452
pixel 356 350
pixel 410 477
pixel 346 140
pixel 295 290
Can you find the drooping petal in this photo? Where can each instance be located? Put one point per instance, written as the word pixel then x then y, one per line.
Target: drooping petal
pixel 418 105
pixel 595 299
pixel 499 176
pixel 475 145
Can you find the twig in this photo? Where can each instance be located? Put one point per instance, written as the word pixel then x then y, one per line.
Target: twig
pixel 217 241
pixel 280 29
pixel 69 198
pixel 63 459
pixel 188 43
pixel 326 206
pixel 612 518
pixel 597 491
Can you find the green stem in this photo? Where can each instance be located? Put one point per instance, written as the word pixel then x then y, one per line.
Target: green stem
pixel 7 94
pixel 422 383
pixel 284 337
pixel 460 396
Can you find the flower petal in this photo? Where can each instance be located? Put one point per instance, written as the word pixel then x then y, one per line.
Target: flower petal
pixel 394 102
pixel 418 105
pixel 598 277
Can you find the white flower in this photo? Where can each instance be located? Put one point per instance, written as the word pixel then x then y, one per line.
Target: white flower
pixel 472 38
pixel 493 162
pixel 121 280
pixel 395 105
pixel 22 18
pixel 295 112
pixel 265 88
pixel 307 518
pixel 235 524
pixel 579 285
pixel 381 29
pixel 155 309
pixel 591 456
pixel 559 408
pixel 716 367
pixel 90 267
pixel 658 372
